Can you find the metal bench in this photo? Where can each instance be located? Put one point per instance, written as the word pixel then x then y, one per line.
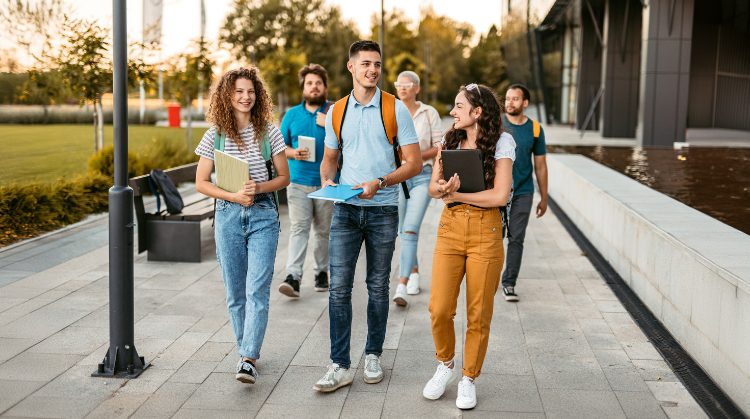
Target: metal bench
pixel 171 237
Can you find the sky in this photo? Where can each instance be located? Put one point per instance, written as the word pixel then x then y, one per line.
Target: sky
pixel 181 18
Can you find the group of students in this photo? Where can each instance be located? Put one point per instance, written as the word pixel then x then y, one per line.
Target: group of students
pixel 391 149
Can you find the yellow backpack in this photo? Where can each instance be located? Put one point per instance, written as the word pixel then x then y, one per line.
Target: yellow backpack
pixel 387 116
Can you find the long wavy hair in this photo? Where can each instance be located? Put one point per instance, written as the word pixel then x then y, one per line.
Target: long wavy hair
pixel 489 128
pixel 220 110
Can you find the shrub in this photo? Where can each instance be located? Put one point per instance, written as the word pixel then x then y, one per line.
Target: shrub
pixel 27 210
pixel 163 153
pixel 31 209
pixel 104 162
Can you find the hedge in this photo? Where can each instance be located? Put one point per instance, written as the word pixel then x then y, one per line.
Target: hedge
pixel 27 210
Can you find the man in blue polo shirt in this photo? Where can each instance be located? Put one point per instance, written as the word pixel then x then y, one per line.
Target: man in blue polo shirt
pixel 371 217
pixel 529 137
pixel 307 120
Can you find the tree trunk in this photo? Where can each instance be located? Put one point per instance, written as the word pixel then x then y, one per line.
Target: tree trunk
pixel 189 131
pixel 99 125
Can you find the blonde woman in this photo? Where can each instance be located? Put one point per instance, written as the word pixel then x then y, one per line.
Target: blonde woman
pixel 247 223
pixel 411 211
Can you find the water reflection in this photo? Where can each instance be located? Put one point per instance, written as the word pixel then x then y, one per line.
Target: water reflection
pixel 715 181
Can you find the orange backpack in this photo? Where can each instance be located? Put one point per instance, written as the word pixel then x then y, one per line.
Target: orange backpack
pixel 387 116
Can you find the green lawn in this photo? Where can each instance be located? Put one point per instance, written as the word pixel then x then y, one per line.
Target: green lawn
pixel 49 152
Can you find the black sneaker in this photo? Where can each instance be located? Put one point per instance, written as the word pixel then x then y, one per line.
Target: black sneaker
pixel 290 287
pixel 246 372
pixel 321 282
pixel 510 294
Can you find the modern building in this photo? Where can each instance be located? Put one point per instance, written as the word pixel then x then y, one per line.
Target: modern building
pixel 647 69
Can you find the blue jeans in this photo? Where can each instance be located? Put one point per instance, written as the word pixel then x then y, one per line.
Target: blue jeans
pixel 350 226
pixel 246 239
pixel 410 215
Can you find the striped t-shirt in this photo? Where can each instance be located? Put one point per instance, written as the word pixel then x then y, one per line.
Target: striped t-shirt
pixel 251 151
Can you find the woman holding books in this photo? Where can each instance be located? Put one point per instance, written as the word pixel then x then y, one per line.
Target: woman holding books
pixel 247 223
pixel 469 239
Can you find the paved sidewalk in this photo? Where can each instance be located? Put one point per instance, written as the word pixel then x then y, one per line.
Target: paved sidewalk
pixel 568 349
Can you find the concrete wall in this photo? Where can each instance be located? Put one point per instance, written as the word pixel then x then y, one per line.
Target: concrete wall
pixel 692 271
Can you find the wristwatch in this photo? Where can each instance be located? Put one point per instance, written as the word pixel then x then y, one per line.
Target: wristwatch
pixel 381 183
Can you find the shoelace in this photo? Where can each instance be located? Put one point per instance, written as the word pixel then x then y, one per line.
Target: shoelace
pixel 331 372
pixel 248 366
pixel 464 388
pixel 371 362
pixel 442 371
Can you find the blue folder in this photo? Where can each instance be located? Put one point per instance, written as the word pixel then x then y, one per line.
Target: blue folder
pixel 338 193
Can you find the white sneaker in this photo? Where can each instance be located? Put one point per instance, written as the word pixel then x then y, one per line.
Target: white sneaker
pixel 436 386
pixel 412 287
pixel 373 372
pixel 400 297
pixel 467 394
pixel 335 378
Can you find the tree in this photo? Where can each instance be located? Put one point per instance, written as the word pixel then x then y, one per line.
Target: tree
pixel 402 62
pixel 140 73
pixel 187 74
pixel 445 46
pixel 43 88
pixel 35 25
pixel 400 38
pixel 280 73
pixel 87 68
pixel 486 62
pixel 258 30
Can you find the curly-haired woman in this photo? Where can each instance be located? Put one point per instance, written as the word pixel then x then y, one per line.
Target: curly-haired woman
pixel 247 224
pixel 469 239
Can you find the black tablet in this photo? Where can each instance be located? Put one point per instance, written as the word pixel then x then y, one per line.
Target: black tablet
pixel 468 165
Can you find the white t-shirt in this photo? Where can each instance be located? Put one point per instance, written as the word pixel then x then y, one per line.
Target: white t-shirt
pixel 250 153
pixel 504 149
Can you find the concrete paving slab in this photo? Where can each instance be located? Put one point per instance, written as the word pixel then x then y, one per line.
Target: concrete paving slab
pixel 221 391
pixel 639 405
pixel 582 404
pixel 194 372
pixel 363 405
pixel 507 393
pixel 166 401
pixel 10 347
pixel 14 391
pixel 29 366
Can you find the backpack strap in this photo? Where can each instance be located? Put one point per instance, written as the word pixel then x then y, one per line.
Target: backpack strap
pixel 155 192
pixel 265 151
pixel 388 116
pixel 537 130
pixel 390 125
pixel 219 140
pixel 337 118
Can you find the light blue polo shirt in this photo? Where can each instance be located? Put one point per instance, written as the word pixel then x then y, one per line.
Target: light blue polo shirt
pixel 367 153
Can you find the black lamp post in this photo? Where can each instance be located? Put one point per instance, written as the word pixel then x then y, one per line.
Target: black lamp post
pixel 122 359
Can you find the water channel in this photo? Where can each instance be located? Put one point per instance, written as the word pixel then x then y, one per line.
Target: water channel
pixel 715 181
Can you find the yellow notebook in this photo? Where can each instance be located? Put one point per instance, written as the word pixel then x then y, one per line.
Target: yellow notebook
pixel 231 172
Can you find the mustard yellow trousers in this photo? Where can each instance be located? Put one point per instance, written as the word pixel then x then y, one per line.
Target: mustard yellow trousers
pixel 469 242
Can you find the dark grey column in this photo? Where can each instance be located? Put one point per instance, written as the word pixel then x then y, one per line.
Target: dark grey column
pixel 588 103
pixel 665 74
pixel 621 67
